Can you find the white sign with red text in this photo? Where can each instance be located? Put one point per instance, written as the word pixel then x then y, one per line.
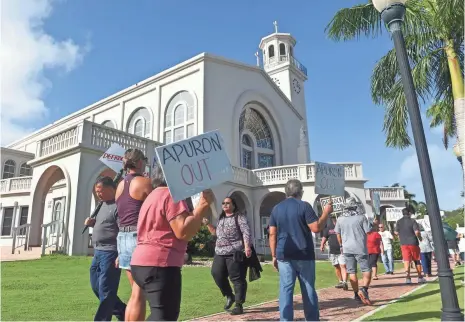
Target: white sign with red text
pixel 113 157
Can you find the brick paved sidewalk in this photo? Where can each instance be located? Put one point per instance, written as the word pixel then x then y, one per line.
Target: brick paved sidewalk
pixel 335 304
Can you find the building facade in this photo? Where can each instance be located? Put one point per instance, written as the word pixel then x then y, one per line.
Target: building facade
pixel 48 176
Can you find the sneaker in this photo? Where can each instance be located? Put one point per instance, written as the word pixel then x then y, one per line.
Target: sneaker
pixel 340 285
pixel 392 273
pixel 238 310
pixel 421 280
pixel 345 287
pixel 408 280
pixel 229 302
pixel 357 298
pixel 430 275
pixel 363 293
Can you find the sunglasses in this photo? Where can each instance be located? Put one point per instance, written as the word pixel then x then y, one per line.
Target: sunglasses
pixel 225 203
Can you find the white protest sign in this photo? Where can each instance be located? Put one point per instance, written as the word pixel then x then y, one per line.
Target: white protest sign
pixel 338 202
pixel 329 179
pixel 425 223
pixel 376 201
pixel 393 214
pixel 113 157
pixel 195 164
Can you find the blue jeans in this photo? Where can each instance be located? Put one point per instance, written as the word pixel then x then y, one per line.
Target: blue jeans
pixel 104 279
pixel 388 260
pixel 426 262
pixel 305 271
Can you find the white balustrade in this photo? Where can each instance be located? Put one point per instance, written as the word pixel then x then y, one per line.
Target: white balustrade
pixel 386 193
pixel 59 142
pixel 18 184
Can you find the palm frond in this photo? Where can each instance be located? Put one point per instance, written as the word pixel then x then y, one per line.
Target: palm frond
pixel 365 20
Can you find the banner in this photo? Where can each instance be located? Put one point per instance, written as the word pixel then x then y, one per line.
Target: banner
pixel 195 164
pixel 393 214
pixel 338 202
pixel 329 179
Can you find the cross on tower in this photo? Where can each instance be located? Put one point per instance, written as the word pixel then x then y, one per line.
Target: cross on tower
pixel 275 23
pixel 258 59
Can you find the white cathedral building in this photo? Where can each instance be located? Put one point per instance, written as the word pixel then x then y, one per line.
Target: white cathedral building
pixel 48 176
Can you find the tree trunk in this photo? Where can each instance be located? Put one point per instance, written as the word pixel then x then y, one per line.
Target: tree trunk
pixel 458 93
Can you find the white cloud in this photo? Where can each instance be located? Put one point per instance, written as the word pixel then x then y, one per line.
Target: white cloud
pixel 447 176
pixel 27 51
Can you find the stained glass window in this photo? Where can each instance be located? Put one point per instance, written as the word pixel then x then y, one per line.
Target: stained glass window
pixel 247 159
pixel 255 123
pixel 265 160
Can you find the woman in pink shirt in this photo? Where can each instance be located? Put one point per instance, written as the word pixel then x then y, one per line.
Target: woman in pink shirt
pixel 163 230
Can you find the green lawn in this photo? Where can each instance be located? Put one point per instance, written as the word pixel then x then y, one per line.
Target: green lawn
pixel 424 304
pixel 57 288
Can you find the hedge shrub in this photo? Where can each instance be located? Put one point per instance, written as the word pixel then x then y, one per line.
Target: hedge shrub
pixel 203 244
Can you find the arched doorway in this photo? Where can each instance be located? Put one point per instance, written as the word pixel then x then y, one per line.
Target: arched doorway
pixel 267 205
pixel 55 210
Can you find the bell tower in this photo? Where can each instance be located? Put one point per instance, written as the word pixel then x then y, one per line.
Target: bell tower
pixel 290 75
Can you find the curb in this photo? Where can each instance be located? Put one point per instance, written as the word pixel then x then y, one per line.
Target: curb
pixel 361 318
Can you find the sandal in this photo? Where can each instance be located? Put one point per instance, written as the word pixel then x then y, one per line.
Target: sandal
pixel 375 278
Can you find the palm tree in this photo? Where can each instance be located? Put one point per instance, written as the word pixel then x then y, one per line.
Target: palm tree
pixel 434 35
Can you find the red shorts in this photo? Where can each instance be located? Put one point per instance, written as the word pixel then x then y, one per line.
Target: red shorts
pixel 410 253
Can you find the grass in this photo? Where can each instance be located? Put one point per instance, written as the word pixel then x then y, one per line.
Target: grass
pixel 424 304
pixel 58 288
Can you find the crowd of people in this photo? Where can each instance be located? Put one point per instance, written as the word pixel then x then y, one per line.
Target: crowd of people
pixel 140 229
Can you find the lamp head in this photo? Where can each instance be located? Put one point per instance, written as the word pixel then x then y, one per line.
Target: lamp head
pixel 380 5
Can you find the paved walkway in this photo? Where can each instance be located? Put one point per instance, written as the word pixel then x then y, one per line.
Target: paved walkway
pixel 335 304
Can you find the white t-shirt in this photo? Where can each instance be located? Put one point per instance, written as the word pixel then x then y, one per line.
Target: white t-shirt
pixel 386 237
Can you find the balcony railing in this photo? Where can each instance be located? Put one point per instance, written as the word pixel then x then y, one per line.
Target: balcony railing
pixel 299 66
pixel 15 185
pixel 281 59
pixel 386 193
pixel 94 136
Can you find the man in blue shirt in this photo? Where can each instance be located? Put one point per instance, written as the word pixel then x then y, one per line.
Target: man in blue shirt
pixel 292 222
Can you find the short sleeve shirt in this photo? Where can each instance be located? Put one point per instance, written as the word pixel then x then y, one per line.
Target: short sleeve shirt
pixel 406 228
pixel 157 244
pixel 291 218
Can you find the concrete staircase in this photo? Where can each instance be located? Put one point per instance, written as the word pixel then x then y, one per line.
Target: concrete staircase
pixel 20 254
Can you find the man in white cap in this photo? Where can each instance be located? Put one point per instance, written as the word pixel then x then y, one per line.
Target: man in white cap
pixel 352 228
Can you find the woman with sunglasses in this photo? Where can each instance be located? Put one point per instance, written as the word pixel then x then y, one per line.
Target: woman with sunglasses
pixel 233 246
pixel 130 194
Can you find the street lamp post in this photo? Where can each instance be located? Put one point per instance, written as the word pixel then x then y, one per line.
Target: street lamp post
pixel 392 12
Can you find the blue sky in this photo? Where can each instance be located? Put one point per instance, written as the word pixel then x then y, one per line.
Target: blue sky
pixel 105 46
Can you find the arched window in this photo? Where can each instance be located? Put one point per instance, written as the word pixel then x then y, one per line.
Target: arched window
pixel 139 123
pixel 179 118
pixel 282 49
pixel 261 153
pixel 9 169
pixel 25 170
pixel 108 123
pixel 56 215
pixel 271 51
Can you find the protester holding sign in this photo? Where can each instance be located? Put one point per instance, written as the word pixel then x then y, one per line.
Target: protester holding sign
pixel 163 230
pixel 130 195
pixel 232 243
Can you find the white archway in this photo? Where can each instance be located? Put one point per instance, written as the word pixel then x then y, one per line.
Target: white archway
pixel 48 178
